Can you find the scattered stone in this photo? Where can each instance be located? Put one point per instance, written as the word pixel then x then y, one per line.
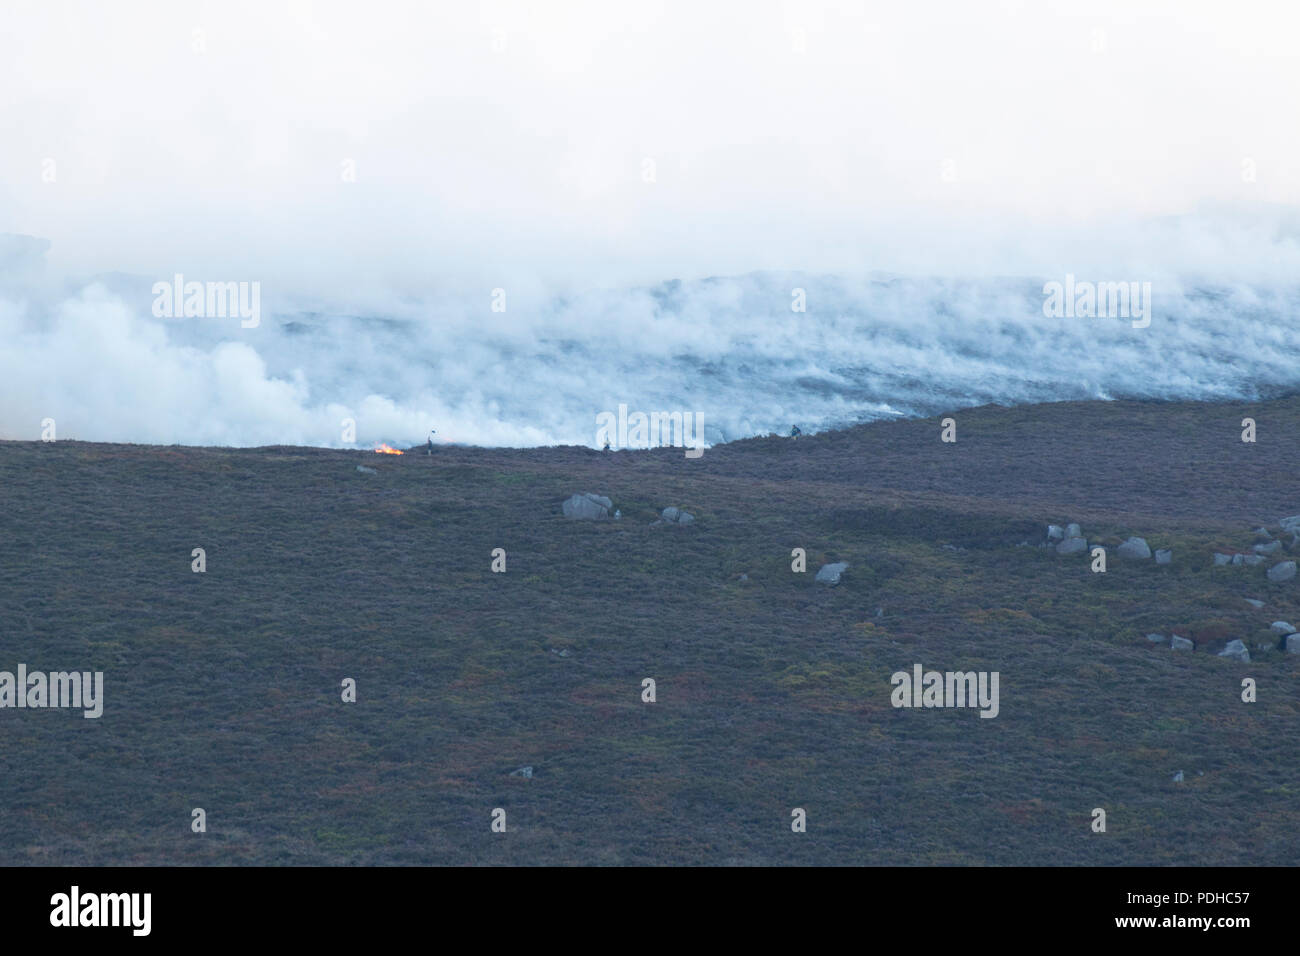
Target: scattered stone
pixel 1236 649
pixel 1238 560
pixel 676 516
pixel 1134 548
pixel 1282 571
pixel 1271 548
pixel 1054 532
pixel 1156 638
pixel 587 506
pixel 1293 644
pixel 1291 524
pixel 1073 545
pixel 560 651
pixel 830 573
pixel 1180 643
pixel 1073 531
pixel 1221 558
pixel 1281 628
pixel 1254 602
pixel 1263 533
pixel 525 772
pixel 1165 556
pixel 366 471
pixel 1252 560
pixel 1178 777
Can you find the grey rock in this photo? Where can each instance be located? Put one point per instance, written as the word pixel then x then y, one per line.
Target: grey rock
pixel 676 516
pixel 1180 643
pixel 1221 558
pixel 1073 531
pixel 1237 651
pixel 1178 777
pixel 366 471
pixel 1134 548
pixel 1282 571
pixel 1054 532
pixel 1072 546
pixel 1293 644
pixel 1281 628
pixel 669 514
pixel 1252 560
pixel 1291 524
pixel 1238 560
pixel 1254 602
pixel 525 772
pixel 1156 638
pixel 830 573
pixel 1263 533
pixel 587 506
pixel 1165 556
pixel 1273 547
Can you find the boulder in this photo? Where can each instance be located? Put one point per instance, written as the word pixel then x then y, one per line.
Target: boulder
pixel 676 516
pixel 1178 777
pixel 1073 531
pixel 1072 546
pixel 1281 628
pixel 1252 560
pixel 587 506
pixel 1164 556
pixel 1291 524
pixel 525 772
pixel 1263 533
pixel 1054 532
pixel 830 573
pixel 1156 638
pixel 1282 571
pixel 1293 644
pixel 1135 549
pixel 1221 558
pixel 366 471
pixel 1237 651
pixel 1180 643
pixel 1254 602
pixel 1238 560
pixel 1273 547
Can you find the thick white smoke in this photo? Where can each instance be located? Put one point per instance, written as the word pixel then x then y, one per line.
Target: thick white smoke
pixel 919 170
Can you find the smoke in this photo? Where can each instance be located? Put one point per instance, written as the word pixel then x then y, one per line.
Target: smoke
pixel 382 170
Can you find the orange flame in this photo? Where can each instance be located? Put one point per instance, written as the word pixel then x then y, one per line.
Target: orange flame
pixel 386 449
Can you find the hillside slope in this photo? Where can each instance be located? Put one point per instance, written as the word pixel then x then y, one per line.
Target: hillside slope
pixel 223 688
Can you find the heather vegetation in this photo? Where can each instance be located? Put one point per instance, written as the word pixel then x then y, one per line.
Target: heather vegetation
pixel 222 688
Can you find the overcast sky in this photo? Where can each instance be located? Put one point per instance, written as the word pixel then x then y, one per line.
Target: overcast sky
pixel 491 138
